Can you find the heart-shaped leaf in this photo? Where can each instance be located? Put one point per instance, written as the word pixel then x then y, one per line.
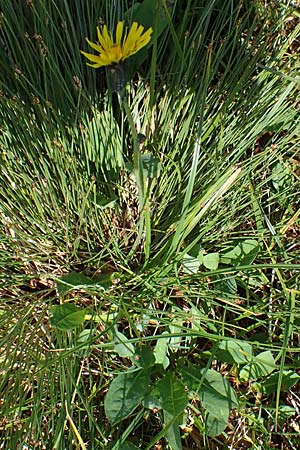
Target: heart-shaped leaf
pixel 216 395
pixel 259 366
pixel 125 394
pixel 67 316
pixel 243 253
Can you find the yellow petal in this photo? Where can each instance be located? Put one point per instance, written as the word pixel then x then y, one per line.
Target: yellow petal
pixel 95 66
pixel 104 37
pixel 132 32
pixel 111 52
pixel 91 57
pixel 145 38
pixel 94 46
pixel 136 40
pixel 119 33
pixel 111 56
pixel 105 59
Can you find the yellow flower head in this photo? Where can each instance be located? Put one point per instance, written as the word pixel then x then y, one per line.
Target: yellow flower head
pixel 113 52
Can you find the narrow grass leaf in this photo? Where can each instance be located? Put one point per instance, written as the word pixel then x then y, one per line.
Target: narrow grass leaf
pixel 128 446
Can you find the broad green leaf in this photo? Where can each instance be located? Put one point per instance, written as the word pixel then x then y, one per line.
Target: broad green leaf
pixel 215 424
pixel 225 284
pixel 234 351
pixel 144 357
pixel 282 180
pixel 216 390
pixel 176 330
pixel 208 381
pixel 243 253
pixel 78 280
pixel 200 255
pixel 211 260
pixel 161 350
pixel 260 366
pixel 85 336
pixel 197 319
pixel 269 385
pixel 71 281
pixel 103 202
pixel 172 394
pixel 152 399
pixel 67 316
pixel 216 395
pixel 122 345
pixel 190 264
pixel 284 413
pixel 149 13
pixel 125 394
pixel 171 424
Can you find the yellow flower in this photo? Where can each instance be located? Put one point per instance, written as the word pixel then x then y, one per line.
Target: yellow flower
pixel 113 52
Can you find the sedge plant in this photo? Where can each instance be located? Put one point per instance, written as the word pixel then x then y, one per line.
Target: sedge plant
pixel 156 267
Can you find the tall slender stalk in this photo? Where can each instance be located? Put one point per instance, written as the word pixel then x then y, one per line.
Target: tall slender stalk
pixel 144 227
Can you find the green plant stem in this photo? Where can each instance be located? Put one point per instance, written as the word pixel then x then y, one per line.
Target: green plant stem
pixel 144 207
pixel 137 160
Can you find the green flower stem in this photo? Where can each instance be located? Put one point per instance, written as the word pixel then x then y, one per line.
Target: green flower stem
pixel 144 207
pixel 137 160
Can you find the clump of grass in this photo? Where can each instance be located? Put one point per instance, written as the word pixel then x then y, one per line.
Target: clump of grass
pixel 212 258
